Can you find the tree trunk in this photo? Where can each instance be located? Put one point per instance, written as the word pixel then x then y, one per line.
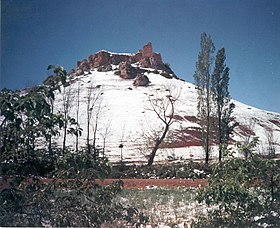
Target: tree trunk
pixel 95 154
pixel 88 145
pixel 207 125
pixel 64 136
pixel 220 135
pixel 207 143
pixel 157 144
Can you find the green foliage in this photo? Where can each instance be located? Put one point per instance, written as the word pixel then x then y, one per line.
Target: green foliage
pixel 242 193
pixel 58 78
pixel 25 118
pixel 182 170
pixel 82 164
pixel 202 78
pixel 62 202
pixel 213 96
pixel 247 149
pixel 221 98
pixel 53 186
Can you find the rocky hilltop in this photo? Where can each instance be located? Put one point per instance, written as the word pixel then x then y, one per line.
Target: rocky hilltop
pixel 123 115
pixel 127 66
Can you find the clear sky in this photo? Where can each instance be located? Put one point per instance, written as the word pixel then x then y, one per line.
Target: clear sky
pixel 36 33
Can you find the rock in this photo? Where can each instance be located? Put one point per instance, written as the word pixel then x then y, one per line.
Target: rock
pixel 116 59
pixel 147 50
pixel 145 58
pixel 91 60
pixel 156 61
pixel 127 71
pixel 137 57
pixel 100 58
pixel 79 72
pixel 71 73
pixel 166 75
pixel 105 68
pixel 141 80
pixel 145 63
pixel 78 64
pixel 83 65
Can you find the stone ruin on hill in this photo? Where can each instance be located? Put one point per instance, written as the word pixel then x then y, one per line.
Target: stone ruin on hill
pixel 146 58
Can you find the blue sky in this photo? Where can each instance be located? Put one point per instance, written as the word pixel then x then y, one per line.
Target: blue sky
pixel 36 33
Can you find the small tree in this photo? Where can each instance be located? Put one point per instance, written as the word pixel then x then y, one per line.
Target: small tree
pixel 70 126
pixel 243 193
pixel 105 134
pixel 26 117
pixel 248 141
pixel 164 108
pixel 71 196
pixel 271 142
pixel 93 108
pixel 78 113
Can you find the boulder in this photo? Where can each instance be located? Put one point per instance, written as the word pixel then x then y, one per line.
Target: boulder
pixel 116 59
pixel 105 68
pixel 100 58
pixel 127 71
pixel 141 80
pixel 145 63
pixel 79 72
pixel 136 57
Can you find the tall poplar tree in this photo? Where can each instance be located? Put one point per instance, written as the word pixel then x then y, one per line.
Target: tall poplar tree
pixel 202 78
pixel 221 100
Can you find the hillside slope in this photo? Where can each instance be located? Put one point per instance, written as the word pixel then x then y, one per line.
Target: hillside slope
pixel 124 116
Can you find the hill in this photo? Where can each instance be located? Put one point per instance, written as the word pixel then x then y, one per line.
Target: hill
pixel 116 93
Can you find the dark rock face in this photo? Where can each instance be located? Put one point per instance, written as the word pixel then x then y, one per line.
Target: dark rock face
pixel 147 50
pixel 141 80
pixel 79 72
pixel 127 71
pixel 100 58
pixel 71 73
pixel 117 59
pixel 146 58
pixel 105 68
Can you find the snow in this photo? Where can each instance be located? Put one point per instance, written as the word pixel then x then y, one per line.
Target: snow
pixel 125 117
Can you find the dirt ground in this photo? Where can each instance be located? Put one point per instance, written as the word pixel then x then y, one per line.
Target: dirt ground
pixel 141 183
pixel 150 183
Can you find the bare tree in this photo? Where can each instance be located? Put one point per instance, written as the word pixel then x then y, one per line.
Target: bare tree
pixel 248 137
pixel 105 134
pixel 78 113
pixel 66 105
pixel 93 95
pixel 121 143
pixel 95 123
pixel 164 108
pixel 271 142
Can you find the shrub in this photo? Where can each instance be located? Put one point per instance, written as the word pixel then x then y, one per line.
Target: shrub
pixel 242 193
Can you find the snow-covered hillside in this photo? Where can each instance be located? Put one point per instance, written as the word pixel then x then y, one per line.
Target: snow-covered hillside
pixel 123 116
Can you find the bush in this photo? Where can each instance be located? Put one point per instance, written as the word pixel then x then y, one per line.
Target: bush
pixel 242 193
pixel 70 198
pixel 173 170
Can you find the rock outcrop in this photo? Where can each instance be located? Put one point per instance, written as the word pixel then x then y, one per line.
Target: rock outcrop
pixel 127 71
pixel 145 58
pixel 141 80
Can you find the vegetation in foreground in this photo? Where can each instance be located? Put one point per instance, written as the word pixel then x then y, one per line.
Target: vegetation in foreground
pixel 70 196
pixel 242 192
pixel 163 206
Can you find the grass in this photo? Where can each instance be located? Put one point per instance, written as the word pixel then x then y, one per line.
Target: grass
pixel 168 207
